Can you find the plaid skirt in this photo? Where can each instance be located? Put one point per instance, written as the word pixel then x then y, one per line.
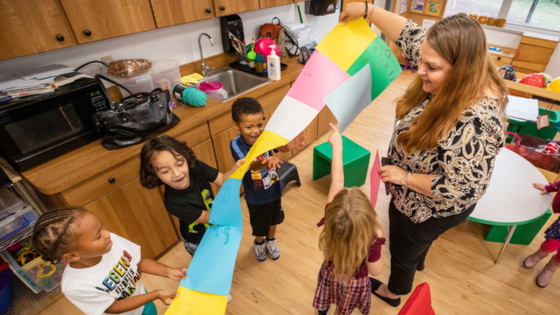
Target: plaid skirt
pixel 346 295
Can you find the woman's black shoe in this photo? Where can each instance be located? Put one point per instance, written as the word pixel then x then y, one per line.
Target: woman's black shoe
pixel 375 284
pixel 421 267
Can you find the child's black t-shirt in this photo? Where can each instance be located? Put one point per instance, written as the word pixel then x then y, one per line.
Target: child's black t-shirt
pixel 188 204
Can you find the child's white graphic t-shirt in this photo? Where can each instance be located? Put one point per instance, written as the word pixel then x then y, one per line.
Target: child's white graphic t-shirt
pixel 116 277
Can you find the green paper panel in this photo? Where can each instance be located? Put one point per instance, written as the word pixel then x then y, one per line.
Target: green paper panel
pixel 384 66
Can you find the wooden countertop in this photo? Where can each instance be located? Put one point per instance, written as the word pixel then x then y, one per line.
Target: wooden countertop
pixel 11 175
pixel 77 166
pixel 533 90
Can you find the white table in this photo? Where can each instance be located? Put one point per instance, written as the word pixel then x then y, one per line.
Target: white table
pixel 511 199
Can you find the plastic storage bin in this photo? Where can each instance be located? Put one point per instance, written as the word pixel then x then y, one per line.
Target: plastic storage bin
pixel 10 201
pixel 45 274
pixel 166 74
pixel 6 296
pixel 526 147
pixel 530 128
pixel 137 84
pixel 12 222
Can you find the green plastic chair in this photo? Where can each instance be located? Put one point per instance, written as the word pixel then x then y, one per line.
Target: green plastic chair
pixel 354 158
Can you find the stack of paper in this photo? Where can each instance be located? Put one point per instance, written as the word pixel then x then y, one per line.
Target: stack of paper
pixel 31 81
pixel 299 32
pixel 522 108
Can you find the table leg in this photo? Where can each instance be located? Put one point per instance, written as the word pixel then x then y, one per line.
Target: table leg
pixel 508 239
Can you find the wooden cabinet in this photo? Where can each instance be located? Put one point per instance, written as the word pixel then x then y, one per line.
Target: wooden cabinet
pixel 310 134
pixel 33 26
pixel 174 12
pixel 94 20
pixel 274 3
pixel 325 118
pixel 227 7
pixel 139 215
pixel 205 152
pixel 533 54
pixel 222 149
pixel 501 61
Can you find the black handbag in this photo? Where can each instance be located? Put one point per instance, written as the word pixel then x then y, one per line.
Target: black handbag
pixel 134 118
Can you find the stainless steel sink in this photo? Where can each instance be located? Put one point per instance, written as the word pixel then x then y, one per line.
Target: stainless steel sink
pixel 235 82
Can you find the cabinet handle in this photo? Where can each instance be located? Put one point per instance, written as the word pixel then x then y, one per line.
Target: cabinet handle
pixel 222 8
pixel 111 180
pixel 208 11
pixel 87 32
pixel 499 58
pixel 59 37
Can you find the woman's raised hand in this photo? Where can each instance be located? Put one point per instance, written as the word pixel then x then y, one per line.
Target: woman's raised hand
pixel 352 11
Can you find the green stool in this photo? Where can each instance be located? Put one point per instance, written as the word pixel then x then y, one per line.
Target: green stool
pixel 354 158
pixel 523 235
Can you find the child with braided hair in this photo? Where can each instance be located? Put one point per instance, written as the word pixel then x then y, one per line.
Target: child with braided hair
pixel 104 272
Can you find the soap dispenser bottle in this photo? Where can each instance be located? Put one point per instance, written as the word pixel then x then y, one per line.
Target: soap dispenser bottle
pixel 273 65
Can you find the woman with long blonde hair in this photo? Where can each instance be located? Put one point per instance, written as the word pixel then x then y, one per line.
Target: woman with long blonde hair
pixel 448 132
pixel 351 242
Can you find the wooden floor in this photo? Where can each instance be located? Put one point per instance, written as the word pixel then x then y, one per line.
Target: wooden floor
pixel 460 266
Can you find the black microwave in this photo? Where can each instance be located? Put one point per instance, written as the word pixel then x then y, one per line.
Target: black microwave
pixel 36 129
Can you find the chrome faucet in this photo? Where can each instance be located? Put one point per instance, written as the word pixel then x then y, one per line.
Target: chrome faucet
pixel 205 68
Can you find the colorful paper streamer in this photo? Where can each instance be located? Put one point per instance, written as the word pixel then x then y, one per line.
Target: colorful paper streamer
pixel 349 51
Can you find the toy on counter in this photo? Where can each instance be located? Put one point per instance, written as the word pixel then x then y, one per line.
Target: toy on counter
pixel 508 73
pixel 262 46
pixel 539 80
pixel 555 85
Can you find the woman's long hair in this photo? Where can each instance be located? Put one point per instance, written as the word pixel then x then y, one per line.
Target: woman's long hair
pixel 459 40
pixel 349 230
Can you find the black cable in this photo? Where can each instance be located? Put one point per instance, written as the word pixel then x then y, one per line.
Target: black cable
pixel 115 83
pixel 87 63
pixel 293 41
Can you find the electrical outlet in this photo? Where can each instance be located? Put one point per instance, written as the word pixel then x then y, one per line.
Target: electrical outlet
pixel 107 59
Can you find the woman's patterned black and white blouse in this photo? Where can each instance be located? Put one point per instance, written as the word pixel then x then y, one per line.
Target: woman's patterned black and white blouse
pixel 463 161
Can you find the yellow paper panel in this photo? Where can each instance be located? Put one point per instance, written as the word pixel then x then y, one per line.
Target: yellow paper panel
pixel 344 44
pixel 190 302
pixel 267 141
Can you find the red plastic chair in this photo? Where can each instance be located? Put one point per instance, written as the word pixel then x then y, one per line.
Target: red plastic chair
pixel 420 302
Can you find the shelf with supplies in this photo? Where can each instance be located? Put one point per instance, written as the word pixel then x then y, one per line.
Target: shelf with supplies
pixel 25 281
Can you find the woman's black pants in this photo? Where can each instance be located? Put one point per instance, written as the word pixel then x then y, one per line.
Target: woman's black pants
pixel 410 242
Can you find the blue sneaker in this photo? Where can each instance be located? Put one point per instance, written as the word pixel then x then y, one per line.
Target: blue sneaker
pixel 260 250
pixel 272 249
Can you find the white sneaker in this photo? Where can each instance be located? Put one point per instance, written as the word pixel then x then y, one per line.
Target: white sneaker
pixel 229 298
pixel 260 250
pixel 272 249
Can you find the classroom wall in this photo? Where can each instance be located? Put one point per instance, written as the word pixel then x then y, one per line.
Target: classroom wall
pixel 181 42
pixel 178 42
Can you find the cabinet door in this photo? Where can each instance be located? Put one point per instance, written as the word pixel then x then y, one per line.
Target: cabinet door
pixel 174 12
pixel 274 3
pixel 223 152
pixel 310 134
pixel 325 118
pixel 31 26
pixel 533 54
pixel 205 152
pixel 227 7
pixel 284 156
pixel 137 214
pixel 94 20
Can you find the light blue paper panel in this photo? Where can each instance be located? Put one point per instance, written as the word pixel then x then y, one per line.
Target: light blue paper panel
pixel 351 97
